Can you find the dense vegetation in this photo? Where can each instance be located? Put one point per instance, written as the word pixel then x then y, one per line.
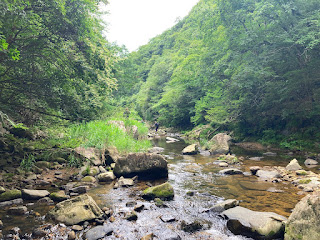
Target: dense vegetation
pixel 54 59
pixel 247 66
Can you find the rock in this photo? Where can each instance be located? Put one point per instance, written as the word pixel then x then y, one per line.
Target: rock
pixel 39 233
pixel 190 150
pixel 159 203
pixel 111 155
pixel 20 210
pixel 138 208
pixel 2 190
pixel 58 196
pixel 1 224
pixel 223 164
pixel 125 182
pixel 190 226
pixel 254 169
pixel 88 179
pixel 301 173
pixel 256 158
pixel 34 194
pixel 164 191
pixel 268 175
pixel 10 195
pixel 257 225
pixel 230 171
pixel 22 132
pixel 167 218
pixel 102 169
pixel 156 150
pixel 310 162
pixel 98 232
pixel 92 154
pixel 293 165
pixel 171 140
pixel 72 235
pixel 43 164
pixel 270 154
pixel 106 177
pixel 45 201
pixel 79 190
pixel 220 207
pixel 132 216
pixel 274 190
pixel 219 144
pixel 77 228
pixel 144 165
pixel 11 202
pixel 148 237
pixel 304 221
pixel 73 211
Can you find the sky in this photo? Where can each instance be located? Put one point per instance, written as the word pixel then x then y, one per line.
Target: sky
pixel 134 22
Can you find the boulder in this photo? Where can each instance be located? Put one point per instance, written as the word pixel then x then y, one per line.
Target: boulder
pixel 10 195
pixel 257 225
pixel 254 169
pixel 93 154
pixel 310 162
pixel 171 140
pixel 190 150
pixel 164 191
pixel 22 132
pixel 34 194
pixel 304 221
pixel 58 196
pixel 293 165
pixel 106 177
pixel 144 165
pixel 88 179
pixel 73 211
pixel 98 232
pixel 20 210
pixel 219 144
pixel 268 175
pixel 111 155
pixel 220 207
pixel 125 182
pixel 16 201
pixel 230 171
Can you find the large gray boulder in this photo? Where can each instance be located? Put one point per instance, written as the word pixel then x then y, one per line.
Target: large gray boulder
pixel 76 210
pixel 219 144
pixel 304 221
pixel 257 225
pixel 268 175
pixel 144 165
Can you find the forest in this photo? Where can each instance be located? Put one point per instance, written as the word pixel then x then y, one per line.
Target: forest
pixel 250 67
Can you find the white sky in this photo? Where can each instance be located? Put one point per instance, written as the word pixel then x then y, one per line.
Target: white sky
pixel 134 22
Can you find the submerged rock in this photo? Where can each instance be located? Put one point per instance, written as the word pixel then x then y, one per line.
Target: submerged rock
pixel 190 150
pixel 164 191
pixel 144 165
pixel 304 221
pixel 98 232
pixel 230 171
pixel 257 225
pixel 227 204
pixel 76 210
pixel 219 144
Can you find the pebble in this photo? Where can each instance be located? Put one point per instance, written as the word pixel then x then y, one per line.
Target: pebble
pixel 71 235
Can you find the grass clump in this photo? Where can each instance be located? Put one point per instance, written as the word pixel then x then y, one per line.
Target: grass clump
pixel 27 162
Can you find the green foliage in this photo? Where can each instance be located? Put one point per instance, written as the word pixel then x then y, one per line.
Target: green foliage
pixel 27 162
pixel 74 161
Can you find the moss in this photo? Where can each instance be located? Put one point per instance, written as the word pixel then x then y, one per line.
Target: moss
pixel 10 195
pixel 163 191
pixel 58 196
pixel 304 181
pixel 88 179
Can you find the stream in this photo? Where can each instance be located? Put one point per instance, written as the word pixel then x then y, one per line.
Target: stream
pixel 198 186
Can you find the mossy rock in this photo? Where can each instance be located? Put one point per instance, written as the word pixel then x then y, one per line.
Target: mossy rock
pixel 164 191
pixel 2 190
pixel 304 181
pixel 43 164
pixel 88 179
pixel 58 196
pixel 60 160
pixel 10 195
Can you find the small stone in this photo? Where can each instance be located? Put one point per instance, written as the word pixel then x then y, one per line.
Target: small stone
pixel 138 208
pixel 256 158
pixel 88 179
pixel 45 201
pixel 230 171
pixel 148 237
pixel 2 190
pixel 223 164
pixel 159 203
pixel 191 226
pixel 270 154
pixel 71 235
pixel 190 193
pixel 79 190
pixel 293 165
pixel 125 182
pixel 39 233
pixel 98 232
pixel 167 218
pixel 77 228
pixel 20 210
pixel 254 169
pixel 274 190
pixel 310 162
pixel 301 173
pixel 132 216
pixel 112 219
pixel 1 224
pixel 106 177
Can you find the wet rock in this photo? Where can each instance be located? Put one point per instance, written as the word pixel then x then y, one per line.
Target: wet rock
pixel 79 190
pixel 14 201
pixel 219 144
pixel 144 165
pixel 254 169
pixel 268 175
pixel 191 226
pixel 230 159
pixel 72 235
pixel 293 165
pixel 88 179
pixel 39 233
pixel 10 195
pixel 301 173
pixel 230 171
pixel 76 210
pixel 171 140
pixel 34 194
pixel 258 225
pixel 310 162
pixel 1 224
pixel 132 216
pixel 274 190
pixel 256 158
pixel 159 203
pixel 190 150
pixel 98 232
pixel 270 154
pixel 167 218
pixel 220 207
pixel 156 150
pixel 106 177
pixel 45 201
pixel 148 237
pixel 164 191
pixel 304 222
pixel 125 182
pixel 59 196
pixel 20 210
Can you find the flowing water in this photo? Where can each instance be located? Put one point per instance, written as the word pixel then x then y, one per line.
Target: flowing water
pixel 198 186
